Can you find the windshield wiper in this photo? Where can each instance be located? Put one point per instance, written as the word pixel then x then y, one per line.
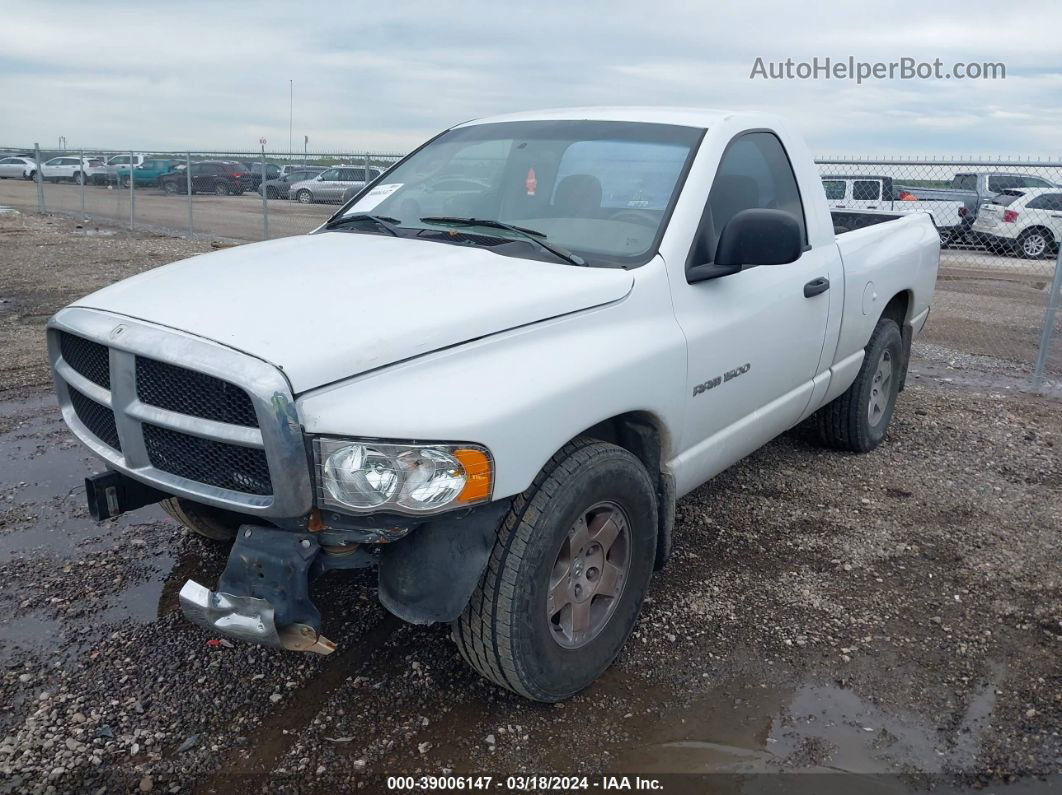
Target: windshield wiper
pixel 534 236
pixel 386 221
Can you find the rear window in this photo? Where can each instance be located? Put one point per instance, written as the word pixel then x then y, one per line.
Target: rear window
pixel 1007 197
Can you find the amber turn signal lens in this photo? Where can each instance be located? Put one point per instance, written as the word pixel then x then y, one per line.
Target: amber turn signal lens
pixel 477 475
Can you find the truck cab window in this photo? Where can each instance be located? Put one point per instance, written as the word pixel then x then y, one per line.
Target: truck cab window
pixel 754 173
pixel 834 189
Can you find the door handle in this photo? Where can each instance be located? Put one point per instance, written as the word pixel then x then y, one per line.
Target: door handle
pixel 816 286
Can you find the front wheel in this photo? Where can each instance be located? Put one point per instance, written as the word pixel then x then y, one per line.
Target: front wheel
pixel 304 197
pixel 857 420
pixel 170 186
pixel 212 523
pixel 567 575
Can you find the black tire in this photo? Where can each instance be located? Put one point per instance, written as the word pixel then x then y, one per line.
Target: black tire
pixel 845 422
pixel 1034 243
pixel 222 188
pixel 272 193
pixel 32 175
pixel 170 186
pixel 505 632
pixel 78 178
pixel 208 522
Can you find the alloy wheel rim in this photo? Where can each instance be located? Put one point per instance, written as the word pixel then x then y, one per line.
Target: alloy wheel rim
pixel 589 575
pixel 880 389
pixel 1034 245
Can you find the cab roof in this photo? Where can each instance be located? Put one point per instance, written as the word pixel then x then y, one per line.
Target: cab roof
pixel 685 117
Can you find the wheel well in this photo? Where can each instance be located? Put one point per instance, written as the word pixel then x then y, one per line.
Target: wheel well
pixel 1039 228
pixel 641 434
pixel 897 308
pixel 638 432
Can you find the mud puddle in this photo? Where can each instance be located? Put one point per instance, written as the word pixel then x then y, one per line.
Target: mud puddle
pixel 50 547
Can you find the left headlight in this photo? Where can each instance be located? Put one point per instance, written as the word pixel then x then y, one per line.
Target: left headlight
pixel 364 476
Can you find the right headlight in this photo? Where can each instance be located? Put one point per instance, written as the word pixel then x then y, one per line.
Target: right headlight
pixel 364 476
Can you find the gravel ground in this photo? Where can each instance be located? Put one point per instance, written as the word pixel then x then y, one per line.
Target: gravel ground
pixel 905 628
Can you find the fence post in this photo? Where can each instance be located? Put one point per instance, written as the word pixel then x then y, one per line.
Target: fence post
pixel 132 192
pixel 1049 322
pixel 84 179
pixel 188 179
pixel 40 177
pixel 265 200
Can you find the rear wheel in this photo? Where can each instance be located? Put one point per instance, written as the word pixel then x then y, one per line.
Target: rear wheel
pixel 170 186
pixel 304 197
pixel 567 575
pixel 79 178
pixel 1034 243
pixel 222 188
pixel 857 420
pixel 211 523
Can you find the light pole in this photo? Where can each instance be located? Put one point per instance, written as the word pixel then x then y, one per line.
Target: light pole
pixel 291 107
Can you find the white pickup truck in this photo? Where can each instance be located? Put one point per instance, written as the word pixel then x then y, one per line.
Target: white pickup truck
pixel 495 391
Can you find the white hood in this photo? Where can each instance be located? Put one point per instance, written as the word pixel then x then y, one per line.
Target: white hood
pixel 329 306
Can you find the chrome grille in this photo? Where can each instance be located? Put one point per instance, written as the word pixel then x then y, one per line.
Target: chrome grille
pixel 189 392
pixel 190 417
pixel 98 419
pixel 88 358
pixel 227 466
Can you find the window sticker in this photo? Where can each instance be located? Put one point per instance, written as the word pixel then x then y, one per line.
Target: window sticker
pixel 374 197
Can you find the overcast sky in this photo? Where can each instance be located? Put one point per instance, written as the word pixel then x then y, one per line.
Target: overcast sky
pixel 384 76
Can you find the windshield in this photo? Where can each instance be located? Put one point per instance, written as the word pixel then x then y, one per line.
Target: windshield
pixel 602 190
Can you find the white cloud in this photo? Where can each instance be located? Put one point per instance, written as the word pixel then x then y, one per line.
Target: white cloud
pixel 384 77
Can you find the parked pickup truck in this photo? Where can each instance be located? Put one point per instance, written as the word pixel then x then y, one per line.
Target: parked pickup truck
pixel 974 190
pixel 868 192
pixel 500 406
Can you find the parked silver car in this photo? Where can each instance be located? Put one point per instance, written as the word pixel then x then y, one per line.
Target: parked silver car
pixel 329 186
pixel 280 187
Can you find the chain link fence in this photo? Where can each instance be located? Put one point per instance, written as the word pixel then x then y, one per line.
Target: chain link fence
pixel 237 196
pixel 1000 224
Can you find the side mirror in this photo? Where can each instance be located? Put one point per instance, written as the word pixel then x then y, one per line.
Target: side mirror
pixel 752 237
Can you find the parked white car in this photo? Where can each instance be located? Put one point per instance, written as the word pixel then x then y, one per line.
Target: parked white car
pixel 877 193
pixel 331 185
pixel 1025 221
pixel 498 407
pixel 17 168
pixel 75 169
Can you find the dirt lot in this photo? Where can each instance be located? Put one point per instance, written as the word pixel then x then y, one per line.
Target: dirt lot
pixel 892 622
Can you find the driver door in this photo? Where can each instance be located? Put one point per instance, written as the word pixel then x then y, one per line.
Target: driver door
pixel 754 339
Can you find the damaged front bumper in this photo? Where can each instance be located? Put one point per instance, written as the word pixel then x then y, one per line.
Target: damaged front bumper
pixel 263 594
